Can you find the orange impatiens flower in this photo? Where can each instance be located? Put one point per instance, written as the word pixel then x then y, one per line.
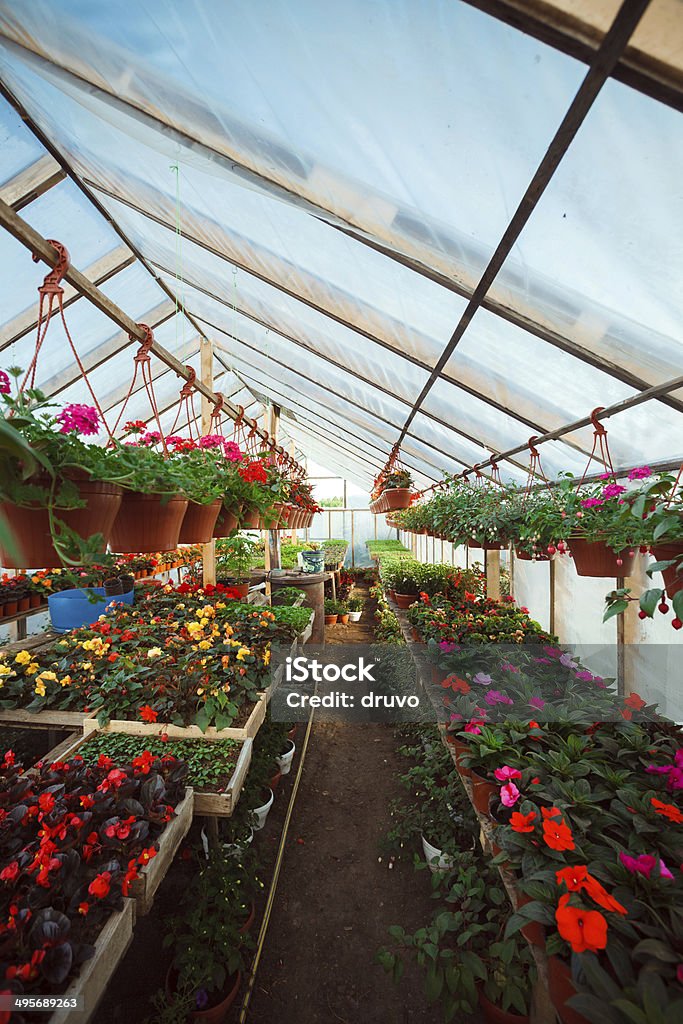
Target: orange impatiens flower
pixel 634 701
pixel 584 930
pixel 669 811
pixel 577 878
pixel 456 684
pixel 148 714
pixel 522 822
pixel 557 834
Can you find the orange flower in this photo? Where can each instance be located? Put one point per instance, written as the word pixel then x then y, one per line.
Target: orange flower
pixel 456 684
pixel 557 835
pixel 634 701
pixel 577 878
pixel 551 812
pixel 584 930
pixel 669 811
pixel 148 714
pixel 522 822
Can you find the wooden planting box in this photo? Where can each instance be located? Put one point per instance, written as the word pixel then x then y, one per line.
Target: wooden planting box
pixel 185 732
pixel 96 973
pixel 48 719
pixel 144 888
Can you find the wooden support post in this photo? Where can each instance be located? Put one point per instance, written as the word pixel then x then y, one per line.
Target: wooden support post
pixel 272 553
pixel 631 632
pixel 206 370
pixel 492 559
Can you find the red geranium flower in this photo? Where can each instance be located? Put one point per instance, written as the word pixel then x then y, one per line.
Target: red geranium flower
pixel 148 714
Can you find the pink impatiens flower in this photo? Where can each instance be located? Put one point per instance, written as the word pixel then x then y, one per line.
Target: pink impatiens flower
pixel 536 702
pixel 673 771
pixel 640 473
pixel 5 387
pixel 509 794
pixel 473 726
pixel 592 502
pixel 644 865
pixel 81 419
pixel 506 773
pixel 496 697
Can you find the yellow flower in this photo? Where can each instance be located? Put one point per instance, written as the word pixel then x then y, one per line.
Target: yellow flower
pixel 154 652
pixel 220 605
pixel 23 658
pixel 31 669
pixel 243 653
pixel 86 666
pixel 200 691
pixel 5 670
pixel 47 677
pixel 266 656
pixel 194 627
pixel 40 687
pixel 229 630
pixel 204 645
pixel 65 681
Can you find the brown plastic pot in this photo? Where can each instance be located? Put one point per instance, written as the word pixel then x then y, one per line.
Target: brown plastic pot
pixel 397 497
pixel 199 523
pixel 664 553
pixel 482 791
pixel 275 781
pixel 30 527
pixel 460 750
pixel 36 600
pixel 405 600
pixel 496 1015
pixel 24 604
pixel 144 523
pixel 331 620
pixel 225 523
pixel 213 1014
pixel 10 608
pixel 594 558
pixel 561 988
pixel 249 519
pixel 343 620
pixel 524 556
pixel 486 545
pixel 534 932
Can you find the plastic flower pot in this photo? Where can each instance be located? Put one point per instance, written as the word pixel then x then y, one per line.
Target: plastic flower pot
pixel 460 750
pixel 284 761
pixel 482 791
pixel 71 609
pixel 331 620
pixel 343 619
pixel 226 523
pixel 10 608
pixel 293 731
pixel 36 601
pixel 199 522
pixel 561 988
pixel 437 860
pixel 215 1014
pixel 405 600
pixel 496 1015
pixel 261 813
pixel 274 781
pixel 24 604
pixel 30 527
pixel 145 523
pixel 355 616
pixel 249 519
pixel 534 932
pixel 664 553
pixel 594 558
pixel 396 497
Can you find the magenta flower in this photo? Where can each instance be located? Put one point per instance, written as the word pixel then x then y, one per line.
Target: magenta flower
pixel 543 661
pixel 536 702
pixel 586 677
pixel 211 441
pixel 553 652
pixel 592 502
pixel 232 451
pixel 5 386
pixel 644 865
pixel 81 419
pixel 507 666
pixel 640 473
pixel 612 490
pixel 506 773
pixel 496 697
pixel 447 646
pixel 509 794
pixel 482 679
pixel 673 771
pixel 150 438
pixel 473 727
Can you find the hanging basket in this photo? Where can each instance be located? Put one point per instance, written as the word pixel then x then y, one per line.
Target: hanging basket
pixel 145 523
pixel 397 497
pixel 524 556
pixel 594 558
pixel 665 553
pixel 226 523
pixel 486 545
pixel 30 527
pixel 249 518
pixel 199 523
pixel 561 987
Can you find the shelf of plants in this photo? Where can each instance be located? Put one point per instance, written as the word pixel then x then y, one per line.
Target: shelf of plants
pixel 577 790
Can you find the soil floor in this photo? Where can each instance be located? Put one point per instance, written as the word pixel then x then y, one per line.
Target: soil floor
pixel 335 899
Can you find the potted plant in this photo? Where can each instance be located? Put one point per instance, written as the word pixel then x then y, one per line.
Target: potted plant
pixel 58 498
pixel 343 613
pixel 505 993
pixel 233 566
pixel 331 611
pixel 355 606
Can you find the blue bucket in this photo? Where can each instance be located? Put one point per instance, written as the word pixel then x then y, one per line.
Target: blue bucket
pixel 71 609
pixel 314 561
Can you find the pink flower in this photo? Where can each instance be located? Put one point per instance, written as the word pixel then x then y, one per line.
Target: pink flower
pixel 509 794
pixel 640 473
pixel 553 652
pixel 506 773
pixel 591 502
pixel 232 451
pixel 473 726
pixel 496 697
pixel 447 646
pixel 536 702
pixel 644 865
pixel 5 386
pixel 509 667
pixel 82 419
pixel 211 441
pixel 612 490
pixel 586 677
pixel 673 771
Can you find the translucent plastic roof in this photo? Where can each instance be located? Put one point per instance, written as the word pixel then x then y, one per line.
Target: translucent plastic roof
pixel 317 189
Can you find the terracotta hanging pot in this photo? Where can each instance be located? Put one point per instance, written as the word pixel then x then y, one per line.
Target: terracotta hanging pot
pixel 398 497
pixel 225 523
pixel 213 1014
pixel 664 553
pixel 482 791
pixel 199 523
pixel 561 988
pixel 249 519
pixel 524 556
pixel 145 523
pixel 485 545
pixel 594 558
pixel 30 527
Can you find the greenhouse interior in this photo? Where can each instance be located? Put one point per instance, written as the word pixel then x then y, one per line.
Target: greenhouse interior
pixel 341 512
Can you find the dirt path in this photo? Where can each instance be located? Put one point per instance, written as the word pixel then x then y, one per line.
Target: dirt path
pixel 335 900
